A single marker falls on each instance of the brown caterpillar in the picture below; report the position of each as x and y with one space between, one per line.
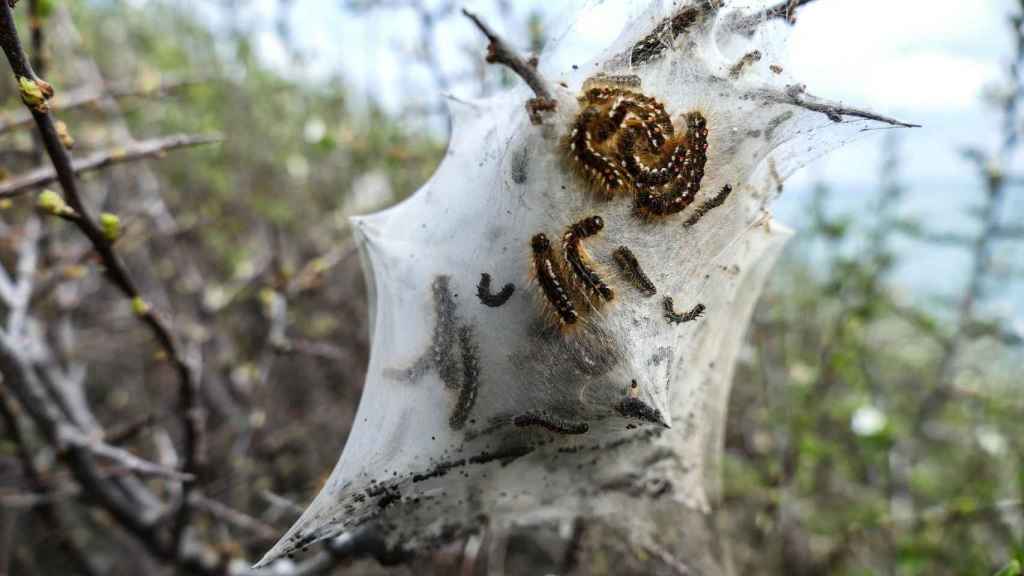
576 256
676 318
596 166
680 192
550 280
624 141
631 269
551 423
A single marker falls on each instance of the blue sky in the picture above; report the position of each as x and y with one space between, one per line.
925 61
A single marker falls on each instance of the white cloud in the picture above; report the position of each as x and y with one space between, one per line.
910 55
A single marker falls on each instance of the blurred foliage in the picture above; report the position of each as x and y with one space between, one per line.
832 467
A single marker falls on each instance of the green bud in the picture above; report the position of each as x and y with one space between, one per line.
52 203
140 306
35 93
111 226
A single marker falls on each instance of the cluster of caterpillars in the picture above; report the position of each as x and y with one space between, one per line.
585 289
623 143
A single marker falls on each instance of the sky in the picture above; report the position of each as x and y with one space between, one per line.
924 61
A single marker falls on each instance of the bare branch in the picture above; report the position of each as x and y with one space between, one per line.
89 95
53 511
20 294
233 517
19 185
121 456
786 10
499 52
795 96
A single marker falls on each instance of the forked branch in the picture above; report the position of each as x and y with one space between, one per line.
155 147
499 52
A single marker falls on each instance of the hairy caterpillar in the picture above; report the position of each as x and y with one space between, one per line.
631 269
550 280
624 141
576 256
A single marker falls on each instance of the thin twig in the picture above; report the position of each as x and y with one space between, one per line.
499 52
53 511
786 10
233 517
122 457
795 96
42 176
87 96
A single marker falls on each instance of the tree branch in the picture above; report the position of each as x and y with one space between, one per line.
87 96
42 176
795 96
53 511
783 10
122 457
499 52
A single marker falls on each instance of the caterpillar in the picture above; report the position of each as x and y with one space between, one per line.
680 192
550 280
675 318
708 206
631 269
470 378
483 292
623 141
653 46
635 408
596 165
548 422
576 256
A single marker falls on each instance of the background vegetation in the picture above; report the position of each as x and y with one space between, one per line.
871 430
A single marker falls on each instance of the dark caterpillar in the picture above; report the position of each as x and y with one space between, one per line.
708 206
630 268
636 408
550 280
551 423
676 318
470 378
576 256
483 292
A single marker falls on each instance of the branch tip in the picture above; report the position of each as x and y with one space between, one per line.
499 52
